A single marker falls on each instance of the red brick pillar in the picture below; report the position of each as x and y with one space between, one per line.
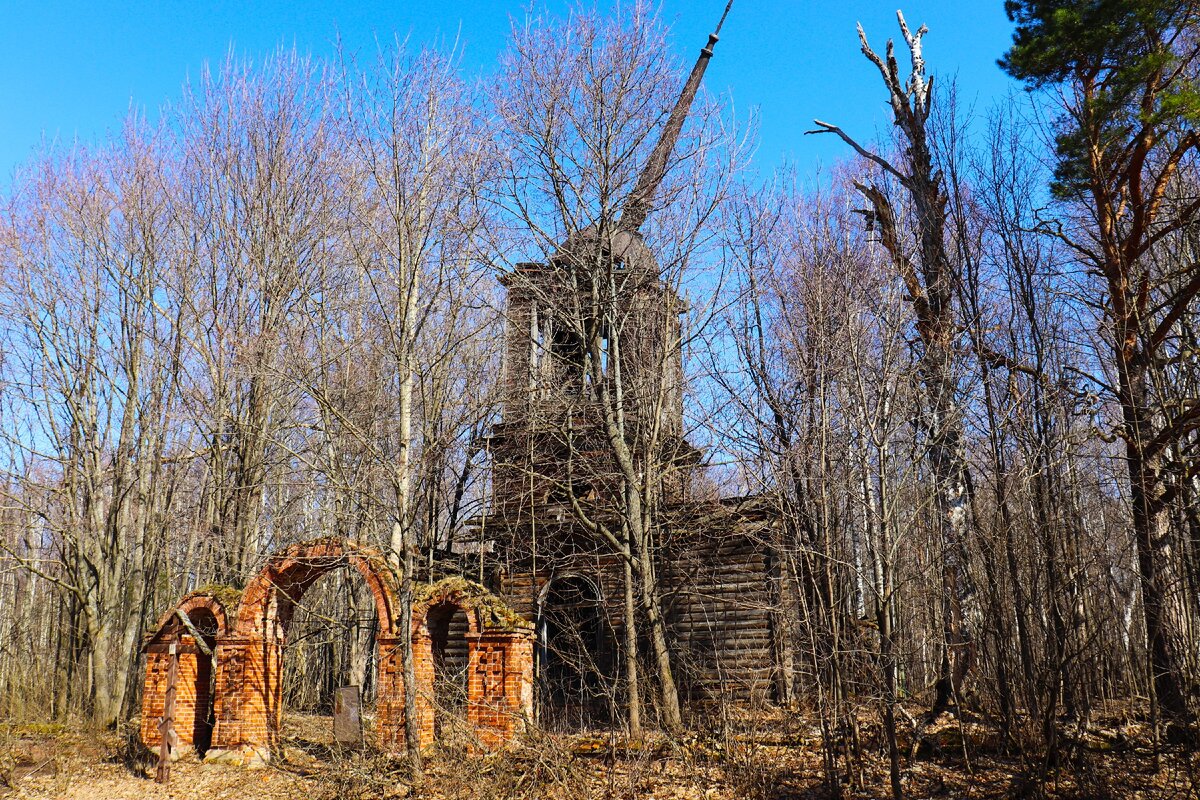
249 700
422 646
518 681
499 685
154 694
389 703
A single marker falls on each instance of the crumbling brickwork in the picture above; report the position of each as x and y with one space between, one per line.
193 685
499 662
244 671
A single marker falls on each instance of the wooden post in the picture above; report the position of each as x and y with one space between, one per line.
167 726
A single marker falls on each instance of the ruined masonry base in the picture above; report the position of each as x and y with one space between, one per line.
246 633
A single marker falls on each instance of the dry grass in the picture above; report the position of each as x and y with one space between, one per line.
766 757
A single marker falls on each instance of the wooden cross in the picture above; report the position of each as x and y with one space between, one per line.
167 725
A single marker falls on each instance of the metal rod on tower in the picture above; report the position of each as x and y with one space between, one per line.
639 203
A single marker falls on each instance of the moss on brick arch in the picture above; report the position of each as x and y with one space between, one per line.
499 691
227 596
493 614
222 601
195 665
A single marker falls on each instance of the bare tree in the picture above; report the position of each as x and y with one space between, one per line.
255 212
416 159
930 276
91 385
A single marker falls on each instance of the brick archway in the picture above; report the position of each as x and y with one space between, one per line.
249 691
269 600
208 612
250 630
499 661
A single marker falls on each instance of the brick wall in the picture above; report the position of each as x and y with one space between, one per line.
193 691
499 664
249 705
192 694
500 685
423 673
499 688
247 690
389 696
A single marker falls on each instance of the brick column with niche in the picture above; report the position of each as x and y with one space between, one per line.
249 707
499 684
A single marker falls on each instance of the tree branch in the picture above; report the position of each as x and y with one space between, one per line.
825 127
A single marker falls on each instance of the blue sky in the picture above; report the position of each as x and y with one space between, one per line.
72 69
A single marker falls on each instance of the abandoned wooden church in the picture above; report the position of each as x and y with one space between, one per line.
599 514
600 511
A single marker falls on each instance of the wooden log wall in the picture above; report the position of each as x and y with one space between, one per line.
721 600
720 605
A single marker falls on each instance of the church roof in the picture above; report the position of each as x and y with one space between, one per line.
624 246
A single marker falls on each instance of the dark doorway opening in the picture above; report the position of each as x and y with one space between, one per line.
448 627
205 623
576 657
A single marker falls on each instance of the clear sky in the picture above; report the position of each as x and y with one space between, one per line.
72 69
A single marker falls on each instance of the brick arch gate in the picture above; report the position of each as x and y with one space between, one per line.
249 688
248 653
499 660
206 612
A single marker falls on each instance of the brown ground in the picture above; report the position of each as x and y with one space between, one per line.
776 756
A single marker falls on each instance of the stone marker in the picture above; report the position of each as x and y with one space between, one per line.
347 717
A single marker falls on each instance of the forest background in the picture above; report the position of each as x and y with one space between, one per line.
962 364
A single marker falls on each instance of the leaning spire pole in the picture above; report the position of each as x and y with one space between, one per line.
638 204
